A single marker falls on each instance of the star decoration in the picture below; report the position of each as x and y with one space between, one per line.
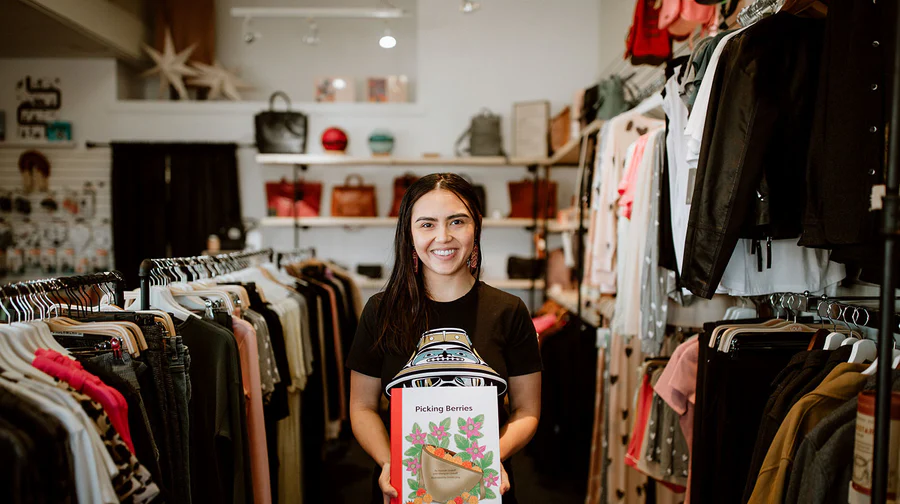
219 81
171 66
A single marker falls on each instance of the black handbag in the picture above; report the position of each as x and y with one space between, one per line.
280 132
479 193
525 268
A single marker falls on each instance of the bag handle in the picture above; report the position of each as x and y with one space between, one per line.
283 96
353 177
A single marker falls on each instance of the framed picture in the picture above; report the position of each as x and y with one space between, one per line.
531 129
377 89
335 90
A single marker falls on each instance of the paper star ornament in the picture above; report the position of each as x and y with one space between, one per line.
219 81
171 66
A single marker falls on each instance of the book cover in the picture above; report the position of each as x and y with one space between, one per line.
445 445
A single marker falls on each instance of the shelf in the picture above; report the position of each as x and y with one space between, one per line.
37 145
325 222
342 160
569 300
500 283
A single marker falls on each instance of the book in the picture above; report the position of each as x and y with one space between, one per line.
445 445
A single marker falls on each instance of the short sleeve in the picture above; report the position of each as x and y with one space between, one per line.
523 355
363 356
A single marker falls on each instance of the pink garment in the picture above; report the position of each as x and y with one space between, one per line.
677 386
628 185
680 17
544 322
113 402
245 335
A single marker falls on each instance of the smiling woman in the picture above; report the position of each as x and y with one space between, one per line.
434 285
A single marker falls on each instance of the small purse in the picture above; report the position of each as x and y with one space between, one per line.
524 268
484 136
281 132
353 200
401 184
522 199
302 199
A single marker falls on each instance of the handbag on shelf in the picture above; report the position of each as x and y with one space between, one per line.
484 136
560 129
353 200
522 199
300 199
280 131
370 270
479 193
524 268
401 184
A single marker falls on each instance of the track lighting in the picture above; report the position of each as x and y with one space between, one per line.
250 36
312 38
387 40
468 6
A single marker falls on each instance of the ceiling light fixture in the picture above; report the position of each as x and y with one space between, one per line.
312 38
468 6
387 40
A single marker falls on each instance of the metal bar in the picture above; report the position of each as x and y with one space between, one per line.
890 229
318 12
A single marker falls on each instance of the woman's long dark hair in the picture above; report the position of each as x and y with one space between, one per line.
402 313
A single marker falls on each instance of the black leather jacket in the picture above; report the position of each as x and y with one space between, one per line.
751 176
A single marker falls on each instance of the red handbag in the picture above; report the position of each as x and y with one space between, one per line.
301 199
522 199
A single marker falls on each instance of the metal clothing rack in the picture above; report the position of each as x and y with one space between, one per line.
174 269
296 255
22 297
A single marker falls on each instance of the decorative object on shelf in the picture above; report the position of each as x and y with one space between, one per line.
401 184
381 142
377 89
484 136
301 199
39 100
280 131
334 140
219 81
59 131
35 170
335 90
353 200
522 199
397 89
531 121
524 268
370 270
171 66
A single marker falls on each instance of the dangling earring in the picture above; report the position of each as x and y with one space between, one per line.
415 262
473 259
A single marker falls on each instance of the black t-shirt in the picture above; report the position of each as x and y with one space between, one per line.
498 324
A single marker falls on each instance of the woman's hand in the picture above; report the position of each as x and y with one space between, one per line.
384 481
504 480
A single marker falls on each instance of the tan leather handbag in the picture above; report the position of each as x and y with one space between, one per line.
522 199
353 200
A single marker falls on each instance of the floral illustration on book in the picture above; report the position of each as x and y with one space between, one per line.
439 475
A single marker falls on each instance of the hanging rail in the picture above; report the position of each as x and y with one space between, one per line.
175 269
68 290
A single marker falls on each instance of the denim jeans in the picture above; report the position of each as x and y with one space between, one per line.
178 368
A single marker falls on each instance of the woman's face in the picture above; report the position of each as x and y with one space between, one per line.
443 233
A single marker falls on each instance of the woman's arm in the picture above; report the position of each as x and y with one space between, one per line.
525 403
365 392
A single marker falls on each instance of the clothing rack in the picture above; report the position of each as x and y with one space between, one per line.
847 309
165 270
755 11
69 290
294 255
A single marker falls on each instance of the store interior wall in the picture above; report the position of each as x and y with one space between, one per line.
509 51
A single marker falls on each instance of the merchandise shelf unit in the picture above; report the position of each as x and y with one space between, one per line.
566 156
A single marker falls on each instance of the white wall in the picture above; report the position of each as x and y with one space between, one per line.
511 50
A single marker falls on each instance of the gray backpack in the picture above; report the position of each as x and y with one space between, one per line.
484 136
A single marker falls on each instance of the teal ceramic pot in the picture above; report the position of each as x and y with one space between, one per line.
381 142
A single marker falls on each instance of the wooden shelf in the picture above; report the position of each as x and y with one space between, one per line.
569 300
37 145
562 155
326 222
500 283
342 160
